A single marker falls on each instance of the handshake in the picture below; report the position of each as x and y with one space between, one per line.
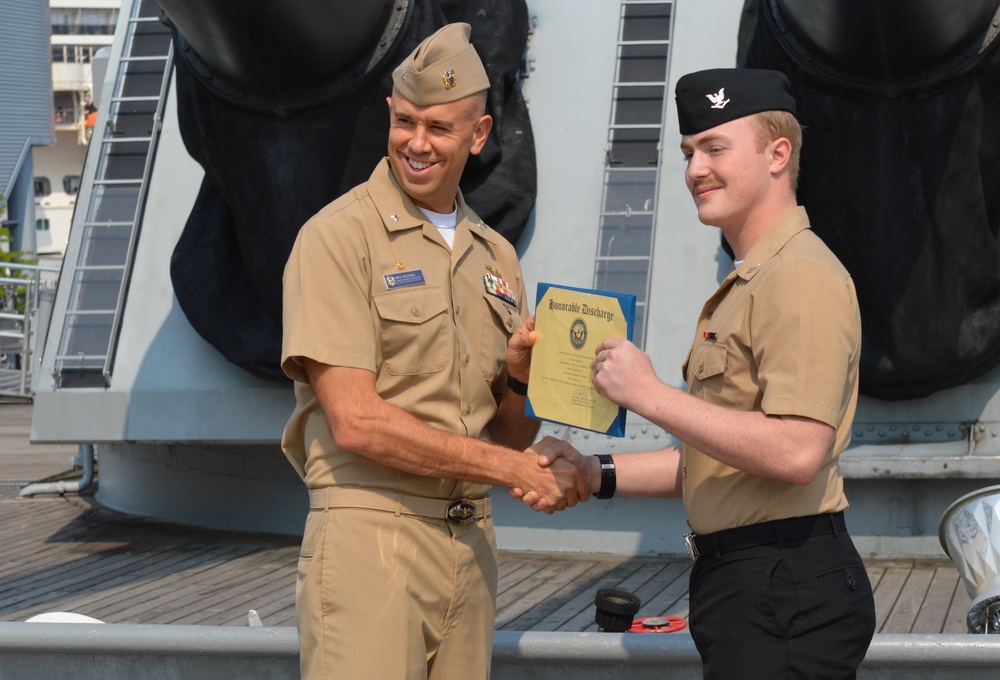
557 478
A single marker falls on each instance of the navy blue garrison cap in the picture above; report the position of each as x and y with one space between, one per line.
716 96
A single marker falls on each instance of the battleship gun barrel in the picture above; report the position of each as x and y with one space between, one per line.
284 47
885 44
897 101
284 106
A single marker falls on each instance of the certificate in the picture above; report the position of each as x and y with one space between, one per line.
570 323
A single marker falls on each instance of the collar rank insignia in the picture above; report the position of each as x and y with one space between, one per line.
497 287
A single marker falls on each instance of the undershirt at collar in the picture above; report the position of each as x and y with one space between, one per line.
445 223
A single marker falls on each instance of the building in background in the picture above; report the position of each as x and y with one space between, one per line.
79 28
25 113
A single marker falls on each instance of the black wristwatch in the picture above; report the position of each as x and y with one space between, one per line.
608 476
516 386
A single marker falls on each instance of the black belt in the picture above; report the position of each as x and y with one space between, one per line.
766 533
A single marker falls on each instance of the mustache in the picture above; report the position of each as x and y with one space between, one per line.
698 185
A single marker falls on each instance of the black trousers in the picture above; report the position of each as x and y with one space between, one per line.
800 610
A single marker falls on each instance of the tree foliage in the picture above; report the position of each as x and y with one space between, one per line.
12 296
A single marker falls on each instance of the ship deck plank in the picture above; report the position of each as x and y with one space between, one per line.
939 597
67 553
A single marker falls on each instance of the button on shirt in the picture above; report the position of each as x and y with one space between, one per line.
782 335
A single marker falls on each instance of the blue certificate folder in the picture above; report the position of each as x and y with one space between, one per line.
570 324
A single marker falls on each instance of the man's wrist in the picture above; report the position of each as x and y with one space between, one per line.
516 386
608 476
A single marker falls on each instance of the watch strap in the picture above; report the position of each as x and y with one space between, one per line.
609 477
516 386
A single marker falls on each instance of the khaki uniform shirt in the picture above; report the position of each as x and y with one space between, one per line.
372 284
782 335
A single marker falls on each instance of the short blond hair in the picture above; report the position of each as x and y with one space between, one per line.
772 125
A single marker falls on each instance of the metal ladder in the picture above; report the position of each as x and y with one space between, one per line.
126 138
627 226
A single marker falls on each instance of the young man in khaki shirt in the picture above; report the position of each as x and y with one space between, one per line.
778 588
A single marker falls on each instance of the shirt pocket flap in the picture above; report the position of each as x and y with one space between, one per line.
708 361
504 312
416 305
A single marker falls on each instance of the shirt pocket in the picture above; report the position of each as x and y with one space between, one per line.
503 319
416 331
707 364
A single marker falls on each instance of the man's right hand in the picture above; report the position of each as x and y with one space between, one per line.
574 475
554 487
623 373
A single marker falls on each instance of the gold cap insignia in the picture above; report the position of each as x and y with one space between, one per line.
449 79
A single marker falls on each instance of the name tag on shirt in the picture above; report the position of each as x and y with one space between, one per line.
404 279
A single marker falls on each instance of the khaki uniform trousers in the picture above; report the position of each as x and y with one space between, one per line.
393 596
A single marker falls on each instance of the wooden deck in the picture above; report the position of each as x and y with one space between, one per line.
69 554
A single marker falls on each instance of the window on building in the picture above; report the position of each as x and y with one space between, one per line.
71 184
64 106
97 21
42 224
43 187
60 20
79 21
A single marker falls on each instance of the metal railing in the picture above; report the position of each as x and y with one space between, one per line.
113 651
21 286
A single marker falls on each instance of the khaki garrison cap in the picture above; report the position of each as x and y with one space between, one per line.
444 67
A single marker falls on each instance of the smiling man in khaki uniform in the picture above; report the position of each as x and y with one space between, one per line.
778 589
405 333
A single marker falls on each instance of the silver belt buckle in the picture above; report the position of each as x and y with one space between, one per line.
462 511
692 549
